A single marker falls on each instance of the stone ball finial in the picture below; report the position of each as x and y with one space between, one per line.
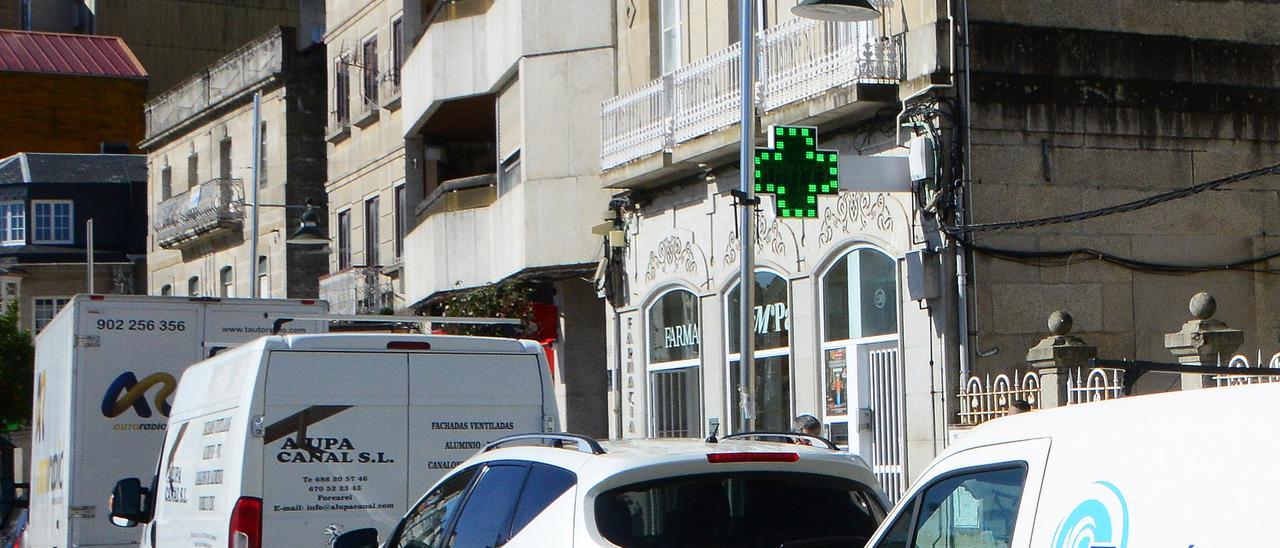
1059 323
1203 305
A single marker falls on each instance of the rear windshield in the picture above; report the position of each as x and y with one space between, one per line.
764 509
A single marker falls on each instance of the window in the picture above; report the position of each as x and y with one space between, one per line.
670 22
193 286
486 516
227 282
45 309
369 71
166 182
424 526
749 509
8 292
510 175
193 170
344 239
544 485
674 348
224 158
371 232
264 278
52 221
397 50
341 89
772 371
969 509
400 220
262 154
13 223
166 290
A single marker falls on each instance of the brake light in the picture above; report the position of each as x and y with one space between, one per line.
308 301
720 458
408 345
97 297
246 524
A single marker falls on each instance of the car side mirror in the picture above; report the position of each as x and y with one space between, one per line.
127 508
359 538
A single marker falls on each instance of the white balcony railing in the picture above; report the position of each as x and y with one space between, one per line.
389 82
339 125
796 60
213 206
358 290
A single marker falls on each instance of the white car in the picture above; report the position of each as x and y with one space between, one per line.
569 490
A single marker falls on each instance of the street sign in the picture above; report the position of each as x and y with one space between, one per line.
795 171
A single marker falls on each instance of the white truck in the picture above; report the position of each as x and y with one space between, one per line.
105 372
291 440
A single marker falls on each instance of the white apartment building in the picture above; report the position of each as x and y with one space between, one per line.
199 145
502 152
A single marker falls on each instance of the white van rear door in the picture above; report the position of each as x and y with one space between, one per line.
985 496
459 402
335 452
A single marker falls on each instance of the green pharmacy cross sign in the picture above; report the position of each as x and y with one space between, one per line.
795 171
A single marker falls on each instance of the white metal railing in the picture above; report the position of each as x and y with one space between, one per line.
339 122
212 205
986 398
795 60
1097 384
636 124
1265 373
389 83
358 290
888 416
706 94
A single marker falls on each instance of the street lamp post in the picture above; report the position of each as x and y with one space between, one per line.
746 221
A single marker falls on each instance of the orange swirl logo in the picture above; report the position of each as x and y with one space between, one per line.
127 391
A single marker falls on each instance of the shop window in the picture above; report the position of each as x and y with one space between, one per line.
674 348
772 371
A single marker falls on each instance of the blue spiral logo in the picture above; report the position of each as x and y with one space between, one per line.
1101 521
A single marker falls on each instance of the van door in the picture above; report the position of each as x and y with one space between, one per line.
985 496
460 402
334 446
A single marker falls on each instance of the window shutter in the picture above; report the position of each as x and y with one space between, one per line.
510 120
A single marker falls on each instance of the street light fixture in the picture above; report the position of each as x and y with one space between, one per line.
309 232
837 10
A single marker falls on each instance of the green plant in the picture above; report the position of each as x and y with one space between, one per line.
17 362
502 300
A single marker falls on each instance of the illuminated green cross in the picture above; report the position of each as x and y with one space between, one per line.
794 170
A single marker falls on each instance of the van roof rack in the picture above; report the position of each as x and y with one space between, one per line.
583 443
786 437
425 321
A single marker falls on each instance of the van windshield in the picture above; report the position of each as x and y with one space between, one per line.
752 509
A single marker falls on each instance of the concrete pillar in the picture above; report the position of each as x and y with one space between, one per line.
1055 356
1203 341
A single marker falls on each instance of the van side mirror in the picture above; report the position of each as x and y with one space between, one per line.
127 508
359 538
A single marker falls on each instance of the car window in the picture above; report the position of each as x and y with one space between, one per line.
424 526
486 515
975 509
750 509
544 485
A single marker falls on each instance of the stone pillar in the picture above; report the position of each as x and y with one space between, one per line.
1056 356
1203 341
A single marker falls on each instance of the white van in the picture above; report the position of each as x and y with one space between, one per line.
287 441
105 369
1193 468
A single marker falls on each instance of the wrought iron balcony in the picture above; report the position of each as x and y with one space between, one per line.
795 60
213 207
389 88
339 125
358 290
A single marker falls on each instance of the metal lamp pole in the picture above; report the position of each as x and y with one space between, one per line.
257 159
746 221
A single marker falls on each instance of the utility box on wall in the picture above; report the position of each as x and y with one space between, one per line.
922 275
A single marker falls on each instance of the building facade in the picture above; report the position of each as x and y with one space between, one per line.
366 181
200 148
501 149
68 93
45 202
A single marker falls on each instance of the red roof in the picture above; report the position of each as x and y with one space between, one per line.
67 54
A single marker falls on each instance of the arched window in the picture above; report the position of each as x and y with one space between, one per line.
264 277
859 343
166 290
193 286
771 375
674 349
226 282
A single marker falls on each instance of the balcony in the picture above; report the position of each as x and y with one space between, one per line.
339 126
797 60
358 290
214 207
367 109
389 83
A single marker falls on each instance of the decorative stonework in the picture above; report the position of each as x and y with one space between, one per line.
854 212
768 237
673 254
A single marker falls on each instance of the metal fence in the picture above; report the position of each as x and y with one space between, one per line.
213 204
1265 373
358 290
888 448
987 397
795 60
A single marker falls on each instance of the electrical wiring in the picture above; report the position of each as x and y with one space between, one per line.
1074 256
